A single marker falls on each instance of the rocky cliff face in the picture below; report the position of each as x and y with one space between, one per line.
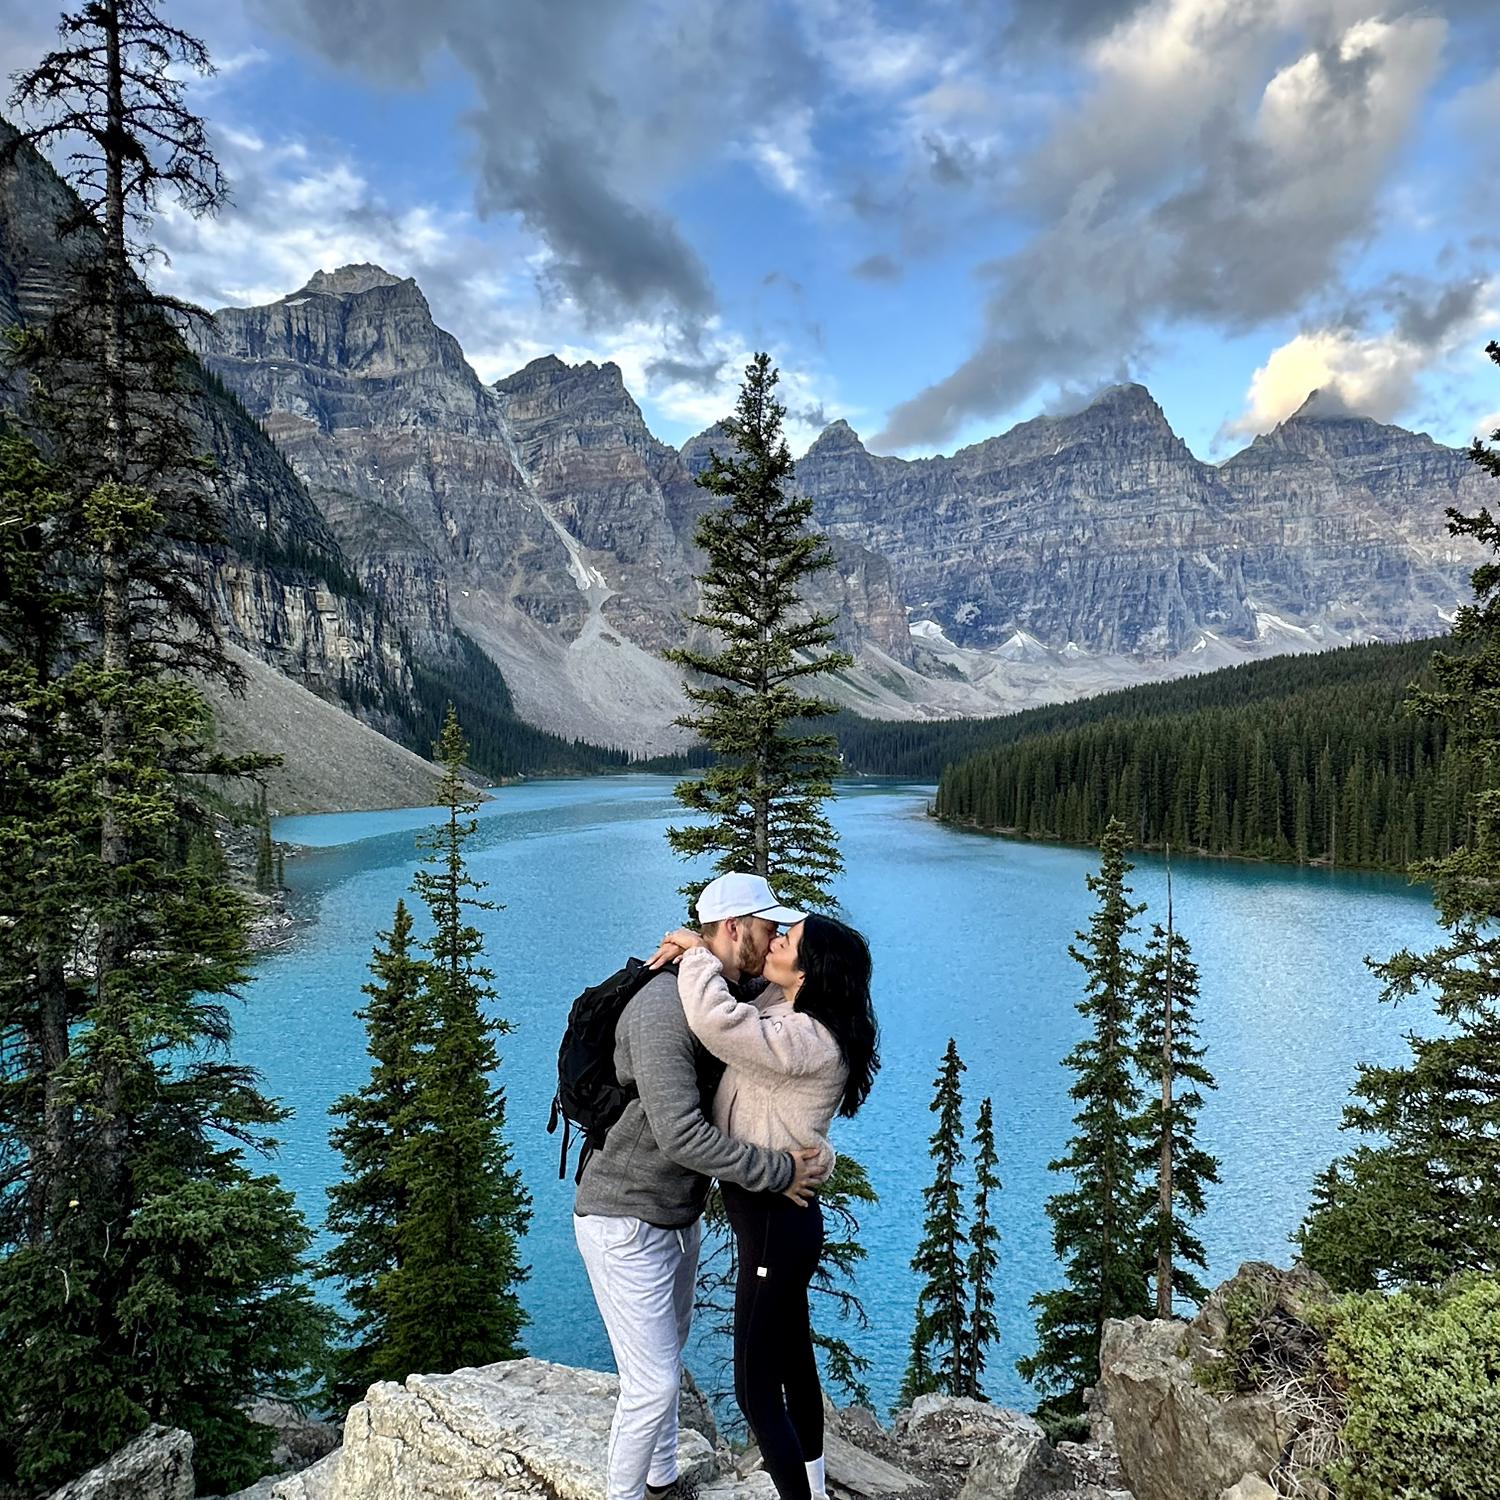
540 515
282 586
369 399
619 493
1343 519
1102 531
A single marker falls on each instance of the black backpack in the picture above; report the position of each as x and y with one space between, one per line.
590 1096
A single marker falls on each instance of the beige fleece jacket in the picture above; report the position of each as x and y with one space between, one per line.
784 1074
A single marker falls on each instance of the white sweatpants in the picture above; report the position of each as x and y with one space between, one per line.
644 1281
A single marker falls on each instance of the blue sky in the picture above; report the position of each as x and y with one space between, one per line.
941 219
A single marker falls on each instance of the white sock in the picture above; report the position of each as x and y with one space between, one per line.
815 1478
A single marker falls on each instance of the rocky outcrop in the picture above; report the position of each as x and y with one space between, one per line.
530 1428
1198 1408
158 1465
523 1428
975 1451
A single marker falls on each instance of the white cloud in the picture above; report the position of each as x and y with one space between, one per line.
1376 374
785 155
1372 375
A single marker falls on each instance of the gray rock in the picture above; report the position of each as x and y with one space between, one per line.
158 1465
1176 1440
262 1489
517 1429
696 1413
313 1483
1016 1463
1250 1487
853 1471
300 1439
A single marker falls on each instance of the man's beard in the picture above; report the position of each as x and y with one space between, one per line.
750 957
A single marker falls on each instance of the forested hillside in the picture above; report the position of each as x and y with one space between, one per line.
1306 758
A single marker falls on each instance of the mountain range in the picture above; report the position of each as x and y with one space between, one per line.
383 502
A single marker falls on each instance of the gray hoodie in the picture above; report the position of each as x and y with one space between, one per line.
660 1154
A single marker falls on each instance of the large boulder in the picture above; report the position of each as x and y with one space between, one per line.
158 1465
1018 1463
1177 1440
507 1431
1197 1408
970 1450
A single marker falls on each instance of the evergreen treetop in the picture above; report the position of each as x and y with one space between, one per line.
1096 1222
369 1201
984 1255
762 798
452 1298
940 1346
1175 1167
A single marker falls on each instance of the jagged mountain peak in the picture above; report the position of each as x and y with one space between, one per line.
1130 401
1326 404
836 435
550 369
350 281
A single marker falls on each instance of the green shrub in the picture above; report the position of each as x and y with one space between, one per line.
1421 1373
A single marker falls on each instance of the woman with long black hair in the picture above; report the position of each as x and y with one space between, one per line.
805 1050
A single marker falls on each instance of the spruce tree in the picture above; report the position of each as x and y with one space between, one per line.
151 1275
367 1204
1175 1168
762 798
984 1256
451 1298
1420 1201
1096 1223
940 1346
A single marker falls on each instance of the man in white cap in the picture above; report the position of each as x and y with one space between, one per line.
641 1195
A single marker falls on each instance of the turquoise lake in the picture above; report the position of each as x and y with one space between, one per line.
970 937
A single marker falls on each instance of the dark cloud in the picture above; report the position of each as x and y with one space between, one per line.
878 267
1067 20
1425 313
586 113
951 163
701 374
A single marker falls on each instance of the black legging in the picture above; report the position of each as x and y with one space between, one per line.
775 1369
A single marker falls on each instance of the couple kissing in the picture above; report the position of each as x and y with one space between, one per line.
735 1048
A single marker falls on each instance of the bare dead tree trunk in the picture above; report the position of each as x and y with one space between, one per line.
116 621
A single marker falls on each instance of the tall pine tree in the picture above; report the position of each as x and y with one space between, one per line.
1096 1222
984 1256
1421 1200
153 1276
763 796
1175 1168
940 1346
451 1297
368 1203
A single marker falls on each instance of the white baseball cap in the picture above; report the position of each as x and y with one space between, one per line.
737 895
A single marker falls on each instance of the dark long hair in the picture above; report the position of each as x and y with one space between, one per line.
835 964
